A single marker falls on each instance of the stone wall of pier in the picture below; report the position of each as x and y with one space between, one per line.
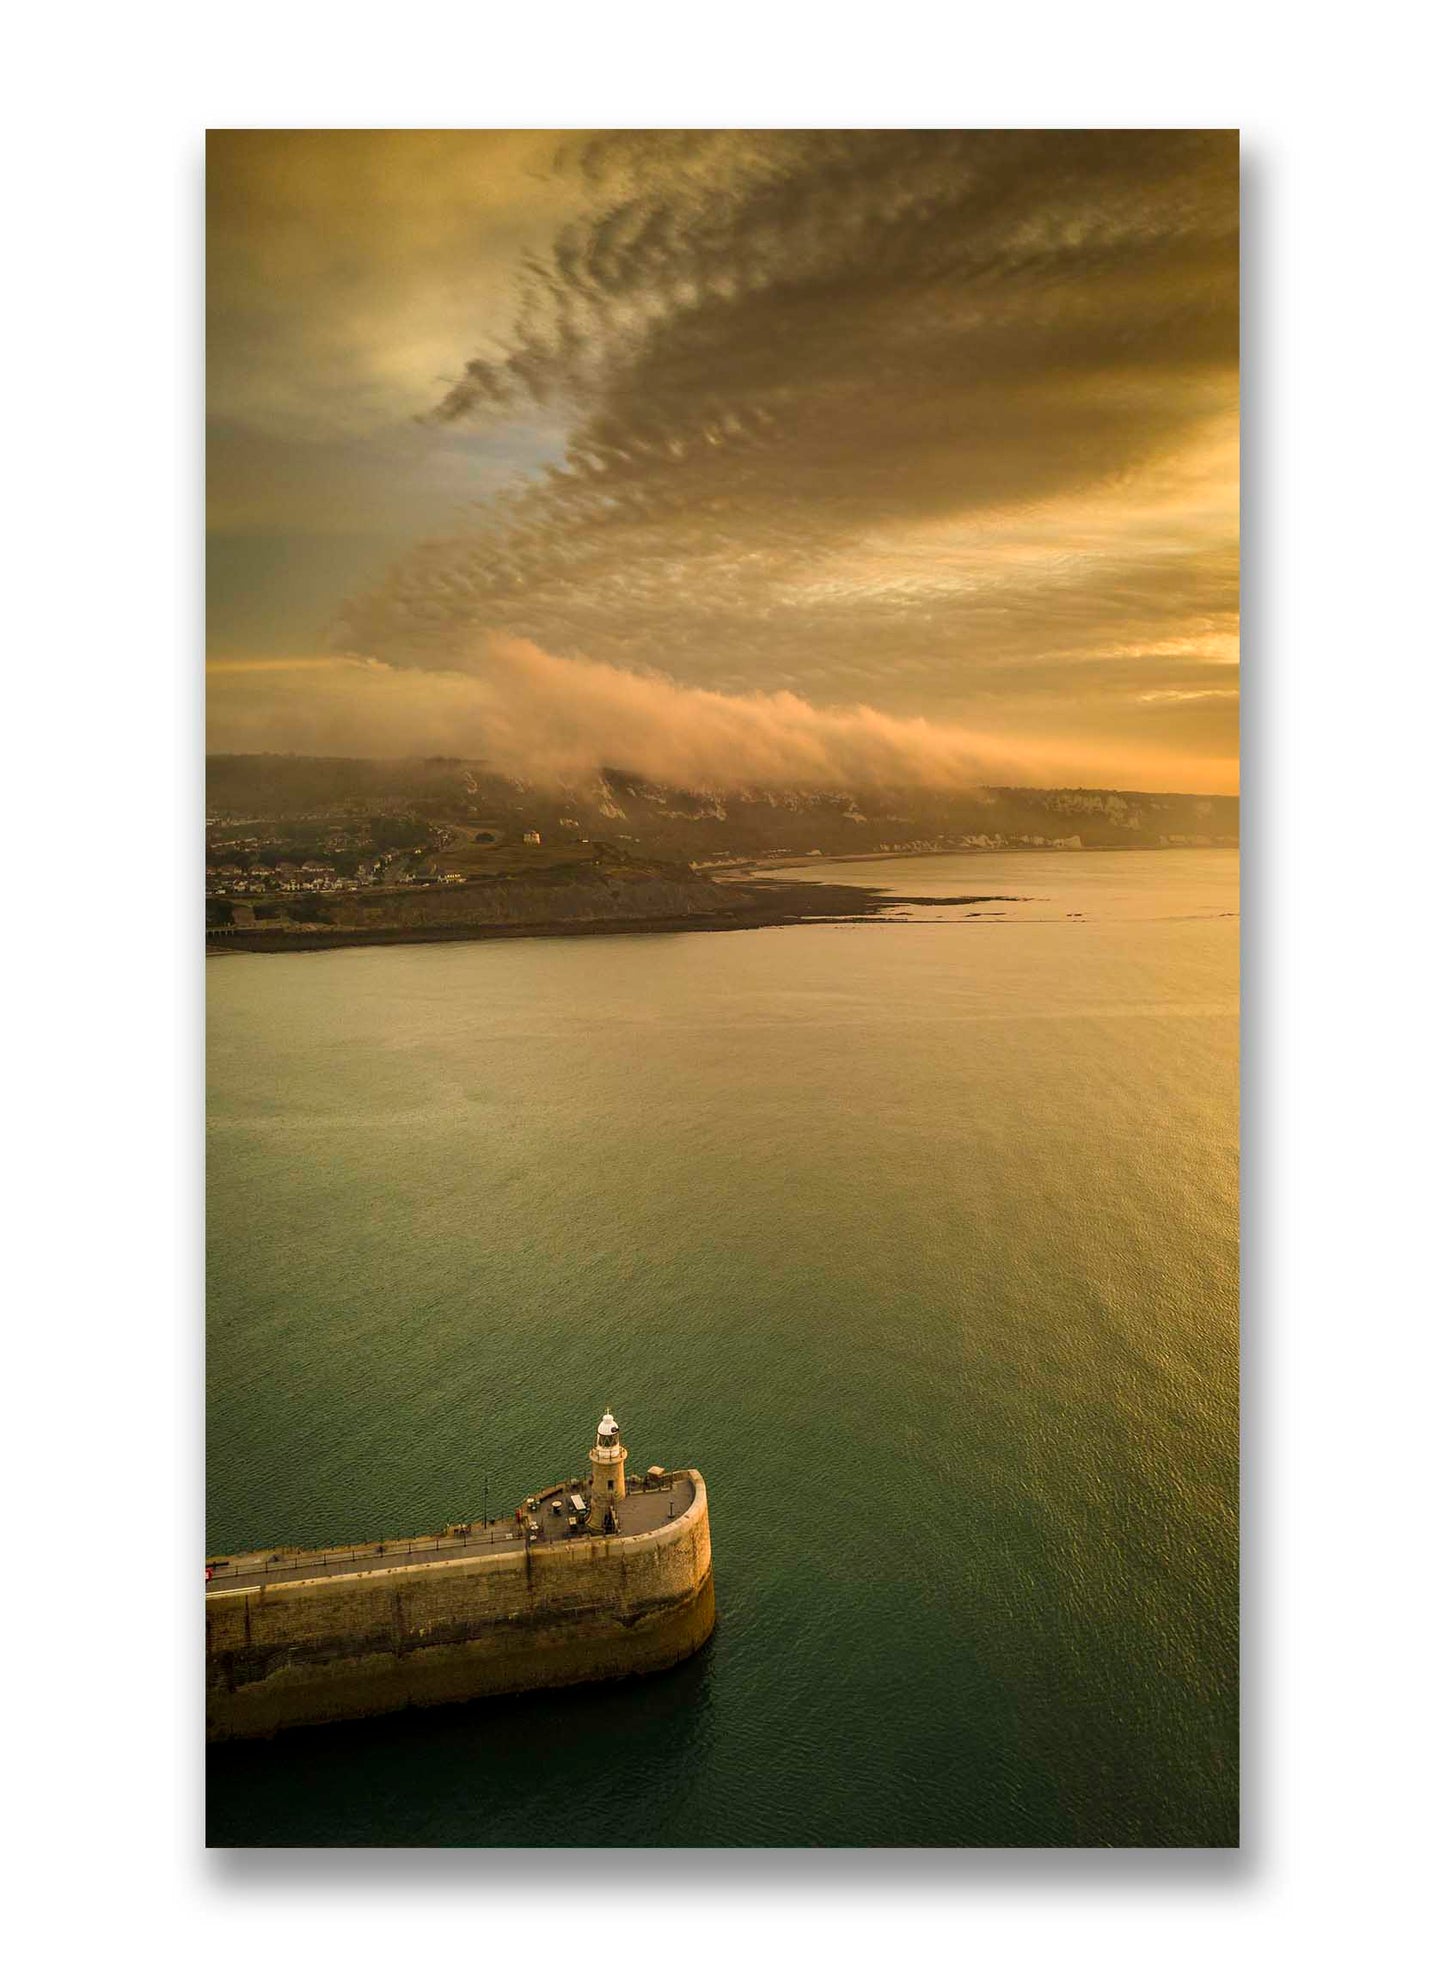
452 1629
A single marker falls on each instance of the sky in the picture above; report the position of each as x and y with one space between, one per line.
776 457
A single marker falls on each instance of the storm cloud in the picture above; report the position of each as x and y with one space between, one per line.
939 423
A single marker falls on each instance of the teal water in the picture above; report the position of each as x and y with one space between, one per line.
918 1240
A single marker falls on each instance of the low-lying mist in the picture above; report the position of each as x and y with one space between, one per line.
556 720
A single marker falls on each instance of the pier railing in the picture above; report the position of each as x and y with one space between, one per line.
462 1537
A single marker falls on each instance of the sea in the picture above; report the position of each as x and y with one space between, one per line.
917 1237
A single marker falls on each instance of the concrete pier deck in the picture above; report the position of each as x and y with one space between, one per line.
645 1508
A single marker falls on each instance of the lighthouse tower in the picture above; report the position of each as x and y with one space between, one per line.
609 1475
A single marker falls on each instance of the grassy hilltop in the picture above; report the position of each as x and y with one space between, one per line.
316 794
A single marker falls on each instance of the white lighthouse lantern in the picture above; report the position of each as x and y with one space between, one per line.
609 1475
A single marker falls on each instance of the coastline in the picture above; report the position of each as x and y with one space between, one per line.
749 870
796 904
745 899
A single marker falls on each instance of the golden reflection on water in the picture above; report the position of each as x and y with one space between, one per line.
919 1240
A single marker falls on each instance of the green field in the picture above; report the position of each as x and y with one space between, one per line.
494 861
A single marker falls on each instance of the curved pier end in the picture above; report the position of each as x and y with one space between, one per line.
317 1638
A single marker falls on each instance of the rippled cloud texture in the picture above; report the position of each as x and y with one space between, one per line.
939 428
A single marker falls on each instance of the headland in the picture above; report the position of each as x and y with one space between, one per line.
645 903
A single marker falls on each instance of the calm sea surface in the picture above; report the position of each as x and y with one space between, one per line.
918 1240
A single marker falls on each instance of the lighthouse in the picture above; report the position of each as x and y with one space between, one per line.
609 1475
